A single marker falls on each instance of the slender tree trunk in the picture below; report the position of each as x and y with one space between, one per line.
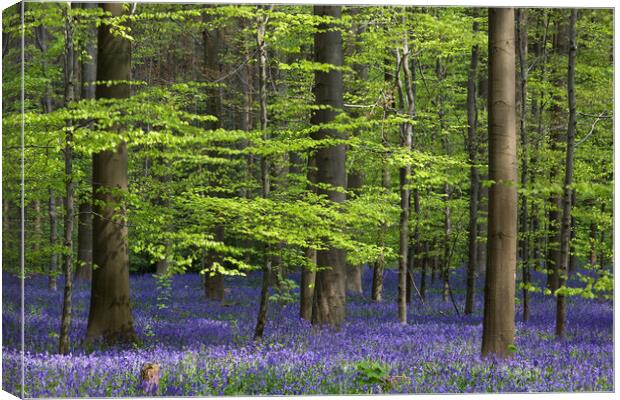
307 287
593 246
406 139
308 276
499 305
483 196
602 257
36 242
474 176
110 311
560 46
53 267
447 224
329 295
85 214
265 178
424 268
568 178
354 272
379 267
65 322
521 15
41 40
572 264
355 178
445 270
414 249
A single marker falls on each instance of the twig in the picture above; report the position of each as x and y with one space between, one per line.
602 115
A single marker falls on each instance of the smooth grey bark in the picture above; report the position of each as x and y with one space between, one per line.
499 304
565 232
328 306
110 310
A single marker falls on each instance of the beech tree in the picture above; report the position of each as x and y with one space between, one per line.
329 288
110 311
499 292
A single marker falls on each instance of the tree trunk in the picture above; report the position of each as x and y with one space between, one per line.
483 196
265 178
572 264
474 176
306 291
568 178
406 139
424 268
415 247
560 47
354 272
85 215
379 267
521 15
53 267
499 304
69 58
329 295
447 224
110 311
308 277
445 269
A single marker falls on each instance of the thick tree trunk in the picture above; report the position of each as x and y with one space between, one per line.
521 15
474 177
329 295
110 311
568 178
212 39
499 304
69 58
85 216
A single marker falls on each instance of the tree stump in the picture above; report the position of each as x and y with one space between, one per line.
149 378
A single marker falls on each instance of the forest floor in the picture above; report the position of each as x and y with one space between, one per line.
206 348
